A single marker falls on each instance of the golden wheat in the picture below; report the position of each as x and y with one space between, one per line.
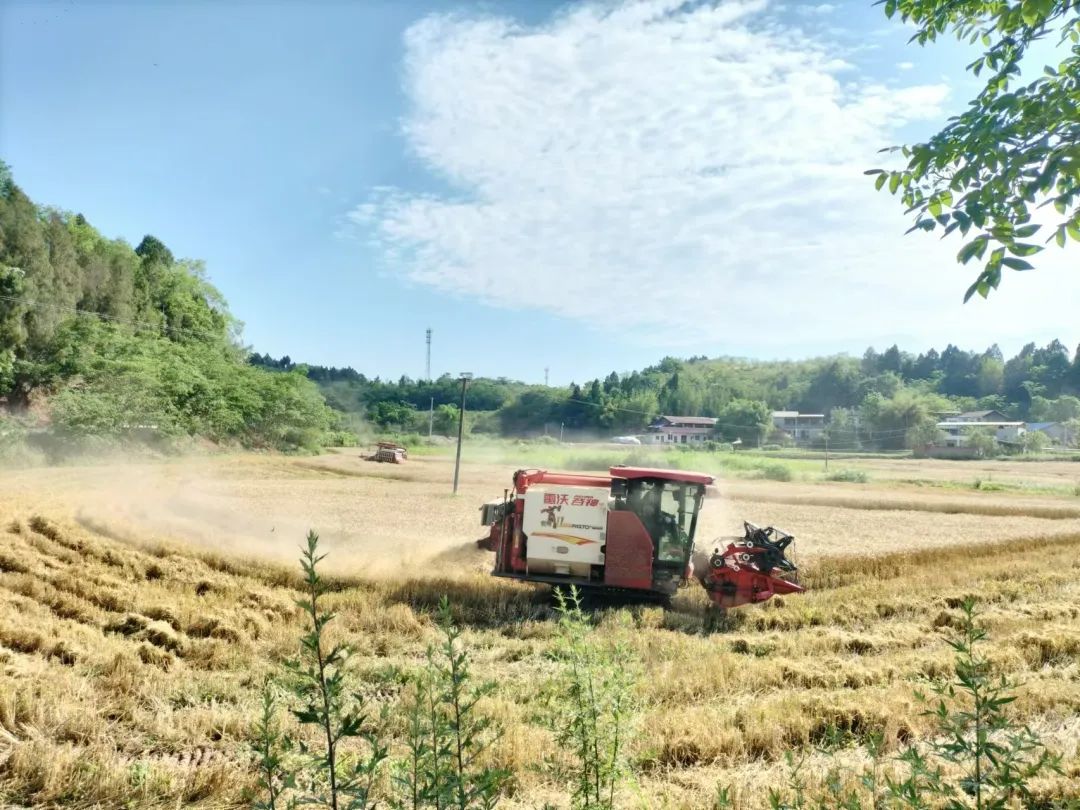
130 663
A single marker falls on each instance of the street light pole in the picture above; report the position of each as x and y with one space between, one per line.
461 427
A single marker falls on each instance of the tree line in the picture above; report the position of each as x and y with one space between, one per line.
889 399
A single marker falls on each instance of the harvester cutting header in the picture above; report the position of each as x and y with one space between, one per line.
630 531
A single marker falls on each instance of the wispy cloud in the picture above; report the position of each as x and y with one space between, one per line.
680 171
905 65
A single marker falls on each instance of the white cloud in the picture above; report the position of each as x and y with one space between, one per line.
689 174
821 8
905 65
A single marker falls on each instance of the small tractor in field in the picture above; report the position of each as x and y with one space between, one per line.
630 532
389 453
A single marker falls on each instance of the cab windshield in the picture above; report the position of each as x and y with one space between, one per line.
667 509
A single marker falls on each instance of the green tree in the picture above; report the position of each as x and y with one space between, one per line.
1034 441
446 419
924 432
535 407
904 420
835 385
984 441
399 415
152 249
1013 149
990 377
744 419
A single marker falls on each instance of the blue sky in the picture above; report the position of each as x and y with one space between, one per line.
585 186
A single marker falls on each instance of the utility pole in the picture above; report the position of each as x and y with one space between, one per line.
826 452
428 368
465 377
561 426
431 417
546 370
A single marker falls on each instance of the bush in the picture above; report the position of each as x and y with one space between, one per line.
341 438
119 387
850 476
545 441
775 471
771 447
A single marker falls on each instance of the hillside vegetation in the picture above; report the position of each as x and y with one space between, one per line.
101 344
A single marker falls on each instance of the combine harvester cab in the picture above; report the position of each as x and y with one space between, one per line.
629 532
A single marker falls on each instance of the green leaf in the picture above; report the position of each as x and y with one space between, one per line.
1029 12
894 183
881 178
994 262
969 250
1017 264
935 208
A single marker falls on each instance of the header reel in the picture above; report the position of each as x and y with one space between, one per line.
752 569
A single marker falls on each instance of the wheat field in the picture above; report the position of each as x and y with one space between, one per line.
142 604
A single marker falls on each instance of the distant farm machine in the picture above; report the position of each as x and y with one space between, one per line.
389 453
629 532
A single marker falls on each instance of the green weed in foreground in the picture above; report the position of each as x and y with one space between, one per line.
446 734
320 685
592 710
340 765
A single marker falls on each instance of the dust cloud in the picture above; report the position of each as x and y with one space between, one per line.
372 522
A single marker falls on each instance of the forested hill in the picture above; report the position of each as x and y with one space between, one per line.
888 399
102 343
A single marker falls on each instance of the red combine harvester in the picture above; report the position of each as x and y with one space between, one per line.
631 532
